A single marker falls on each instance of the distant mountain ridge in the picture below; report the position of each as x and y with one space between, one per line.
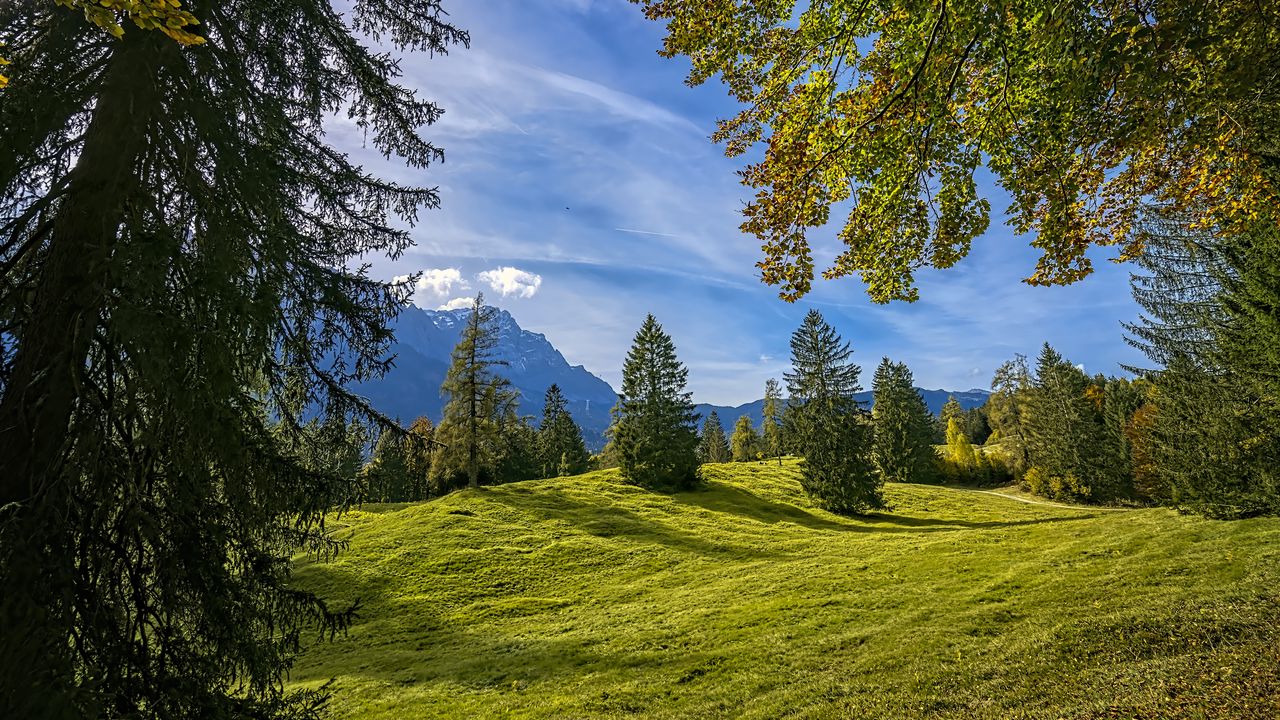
425 340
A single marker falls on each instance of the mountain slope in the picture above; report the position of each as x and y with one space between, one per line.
424 341
935 399
587 598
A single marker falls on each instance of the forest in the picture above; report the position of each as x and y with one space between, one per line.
200 515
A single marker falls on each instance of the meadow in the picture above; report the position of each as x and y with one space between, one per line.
584 597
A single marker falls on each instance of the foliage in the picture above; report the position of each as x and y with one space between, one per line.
419 451
771 434
1064 432
745 442
829 428
561 450
182 290
1083 111
713 446
554 599
386 477
655 426
479 404
1006 405
902 441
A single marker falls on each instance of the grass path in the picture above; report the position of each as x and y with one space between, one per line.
1031 501
586 598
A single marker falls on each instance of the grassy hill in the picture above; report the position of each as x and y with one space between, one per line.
583 597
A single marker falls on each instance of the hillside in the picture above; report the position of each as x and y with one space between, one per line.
582 597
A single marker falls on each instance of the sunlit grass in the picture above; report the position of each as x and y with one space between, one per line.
584 597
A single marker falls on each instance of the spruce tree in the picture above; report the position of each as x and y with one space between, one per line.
655 426
745 442
419 447
560 445
771 431
902 441
479 402
182 257
713 447
387 472
829 427
1065 432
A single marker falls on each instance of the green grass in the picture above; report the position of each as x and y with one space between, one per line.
583 597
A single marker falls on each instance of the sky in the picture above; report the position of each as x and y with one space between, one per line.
580 191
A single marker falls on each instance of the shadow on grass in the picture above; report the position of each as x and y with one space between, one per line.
724 498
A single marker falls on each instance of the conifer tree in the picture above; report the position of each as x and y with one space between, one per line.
479 401
182 249
655 426
419 447
560 445
771 430
830 430
713 447
902 441
745 443
1064 430
961 461
1010 390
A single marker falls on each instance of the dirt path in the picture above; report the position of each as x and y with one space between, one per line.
1046 504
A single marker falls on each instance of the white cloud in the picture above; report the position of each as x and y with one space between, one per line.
512 281
458 303
434 284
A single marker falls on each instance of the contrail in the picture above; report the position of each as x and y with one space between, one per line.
646 232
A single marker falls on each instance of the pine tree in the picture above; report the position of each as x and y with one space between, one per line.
745 443
387 472
181 250
771 440
419 447
520 454
479 402
713 447
655 426
830 430
902 441
1010 390
560 445
1064 430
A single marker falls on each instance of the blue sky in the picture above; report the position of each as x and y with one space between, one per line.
580 192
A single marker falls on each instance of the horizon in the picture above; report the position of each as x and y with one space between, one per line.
581 191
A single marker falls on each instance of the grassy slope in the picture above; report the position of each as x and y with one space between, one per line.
583 597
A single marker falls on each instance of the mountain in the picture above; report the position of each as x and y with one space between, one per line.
425 338
935 399
424 341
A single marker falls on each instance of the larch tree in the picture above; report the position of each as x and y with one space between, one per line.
961 462
560 446
1010 388
771 425
829 427
713 446
1083 111
655 426
182 287
902 440
744 444
479 402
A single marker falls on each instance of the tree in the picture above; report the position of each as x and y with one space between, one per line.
655 426
960 461
950 409
902 440
1065 433
1083 112
479 401
386 472
771 440
520 455
181 251
560 446
745 443
419 448
830 430
713 447
1010 389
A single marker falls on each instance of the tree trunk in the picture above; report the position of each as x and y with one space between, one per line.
74 281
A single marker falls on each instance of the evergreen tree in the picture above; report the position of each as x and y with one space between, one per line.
771 440
479 402
950 409
560 445
902 441
1064 431
655 426
745 443
713 447
388 478
1010 391
419 447
520 454
181 250
830 430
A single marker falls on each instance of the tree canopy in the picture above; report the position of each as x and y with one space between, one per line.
1083 111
